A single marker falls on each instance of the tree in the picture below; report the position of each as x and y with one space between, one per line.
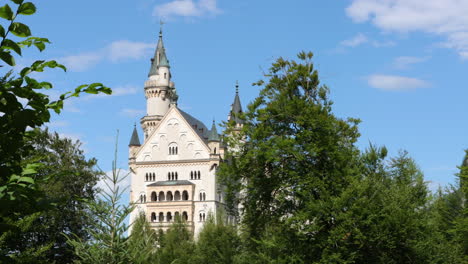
177 246
108 242
297 157
70 180
143 242
23 107
217 242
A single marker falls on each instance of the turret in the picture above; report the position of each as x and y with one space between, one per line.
160 92
236 110
134 145
214 140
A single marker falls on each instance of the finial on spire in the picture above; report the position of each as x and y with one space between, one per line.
134 124
161 23
237 86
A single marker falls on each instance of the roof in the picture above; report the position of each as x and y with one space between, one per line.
195 122
171 183
213 136
134 140
236 108
163 61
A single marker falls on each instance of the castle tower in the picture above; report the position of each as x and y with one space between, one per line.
160 91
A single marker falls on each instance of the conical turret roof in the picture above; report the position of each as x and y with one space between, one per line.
162 60
213 136
135 140
236 108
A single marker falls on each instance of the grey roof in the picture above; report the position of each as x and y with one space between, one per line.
195 122
236 108
213 136
171 183
135 140
163 61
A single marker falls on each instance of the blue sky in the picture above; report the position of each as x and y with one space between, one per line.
398 65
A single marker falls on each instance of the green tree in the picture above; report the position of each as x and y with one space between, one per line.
177 246
67 179
297 158
143 242
108 241
217 242
23 106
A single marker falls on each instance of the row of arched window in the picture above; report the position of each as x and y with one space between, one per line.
142 198
172 176
150 176
173 150
169 196
168 217
195 175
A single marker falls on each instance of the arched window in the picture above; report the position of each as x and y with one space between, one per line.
204 196
154 176
176 176
184 216
198 174
161 196
201 197
214 150
153 197
172 176
177 196
191 175
153 217
200 217
146 176
161 217
176 150
169 217
203 217
165 75
144 198
185 195
176 215
168 176
169 196
173 149
141 198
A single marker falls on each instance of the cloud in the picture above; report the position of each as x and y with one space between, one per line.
106 182
186 8
132 112
355 41
80 62
395 83
446 18
114 52
117 91
124 49
404 62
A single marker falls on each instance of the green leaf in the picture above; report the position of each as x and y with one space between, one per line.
18 2
27 8
20 30
2 31
6 12
40 45
26 179
12 45
6 57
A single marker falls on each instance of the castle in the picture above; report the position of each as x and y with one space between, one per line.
173 172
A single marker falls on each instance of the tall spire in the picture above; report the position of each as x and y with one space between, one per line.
135 140
236 107
159 58
213 136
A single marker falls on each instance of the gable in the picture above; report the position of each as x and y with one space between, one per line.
173 139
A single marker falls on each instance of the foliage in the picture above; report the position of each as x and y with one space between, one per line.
143 242
108 242
177 244
23 107
217 242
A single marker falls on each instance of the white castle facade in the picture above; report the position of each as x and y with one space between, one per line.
173 171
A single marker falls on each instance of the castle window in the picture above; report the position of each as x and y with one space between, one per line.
153 217
173 149
200 217
165 75
214 150
144 198
146 176
141 198
184 216
153 197
185 195
169 217
204 196
169 196
203 217
177 196
161 217
161 196
198 174
154 176
168 176
191 175
176 216
176 176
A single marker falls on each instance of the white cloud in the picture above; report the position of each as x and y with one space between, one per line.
395 83
124 49
404 62
80 62
186 8
106 182
442 17
132 112
355 41
116 51
117 91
